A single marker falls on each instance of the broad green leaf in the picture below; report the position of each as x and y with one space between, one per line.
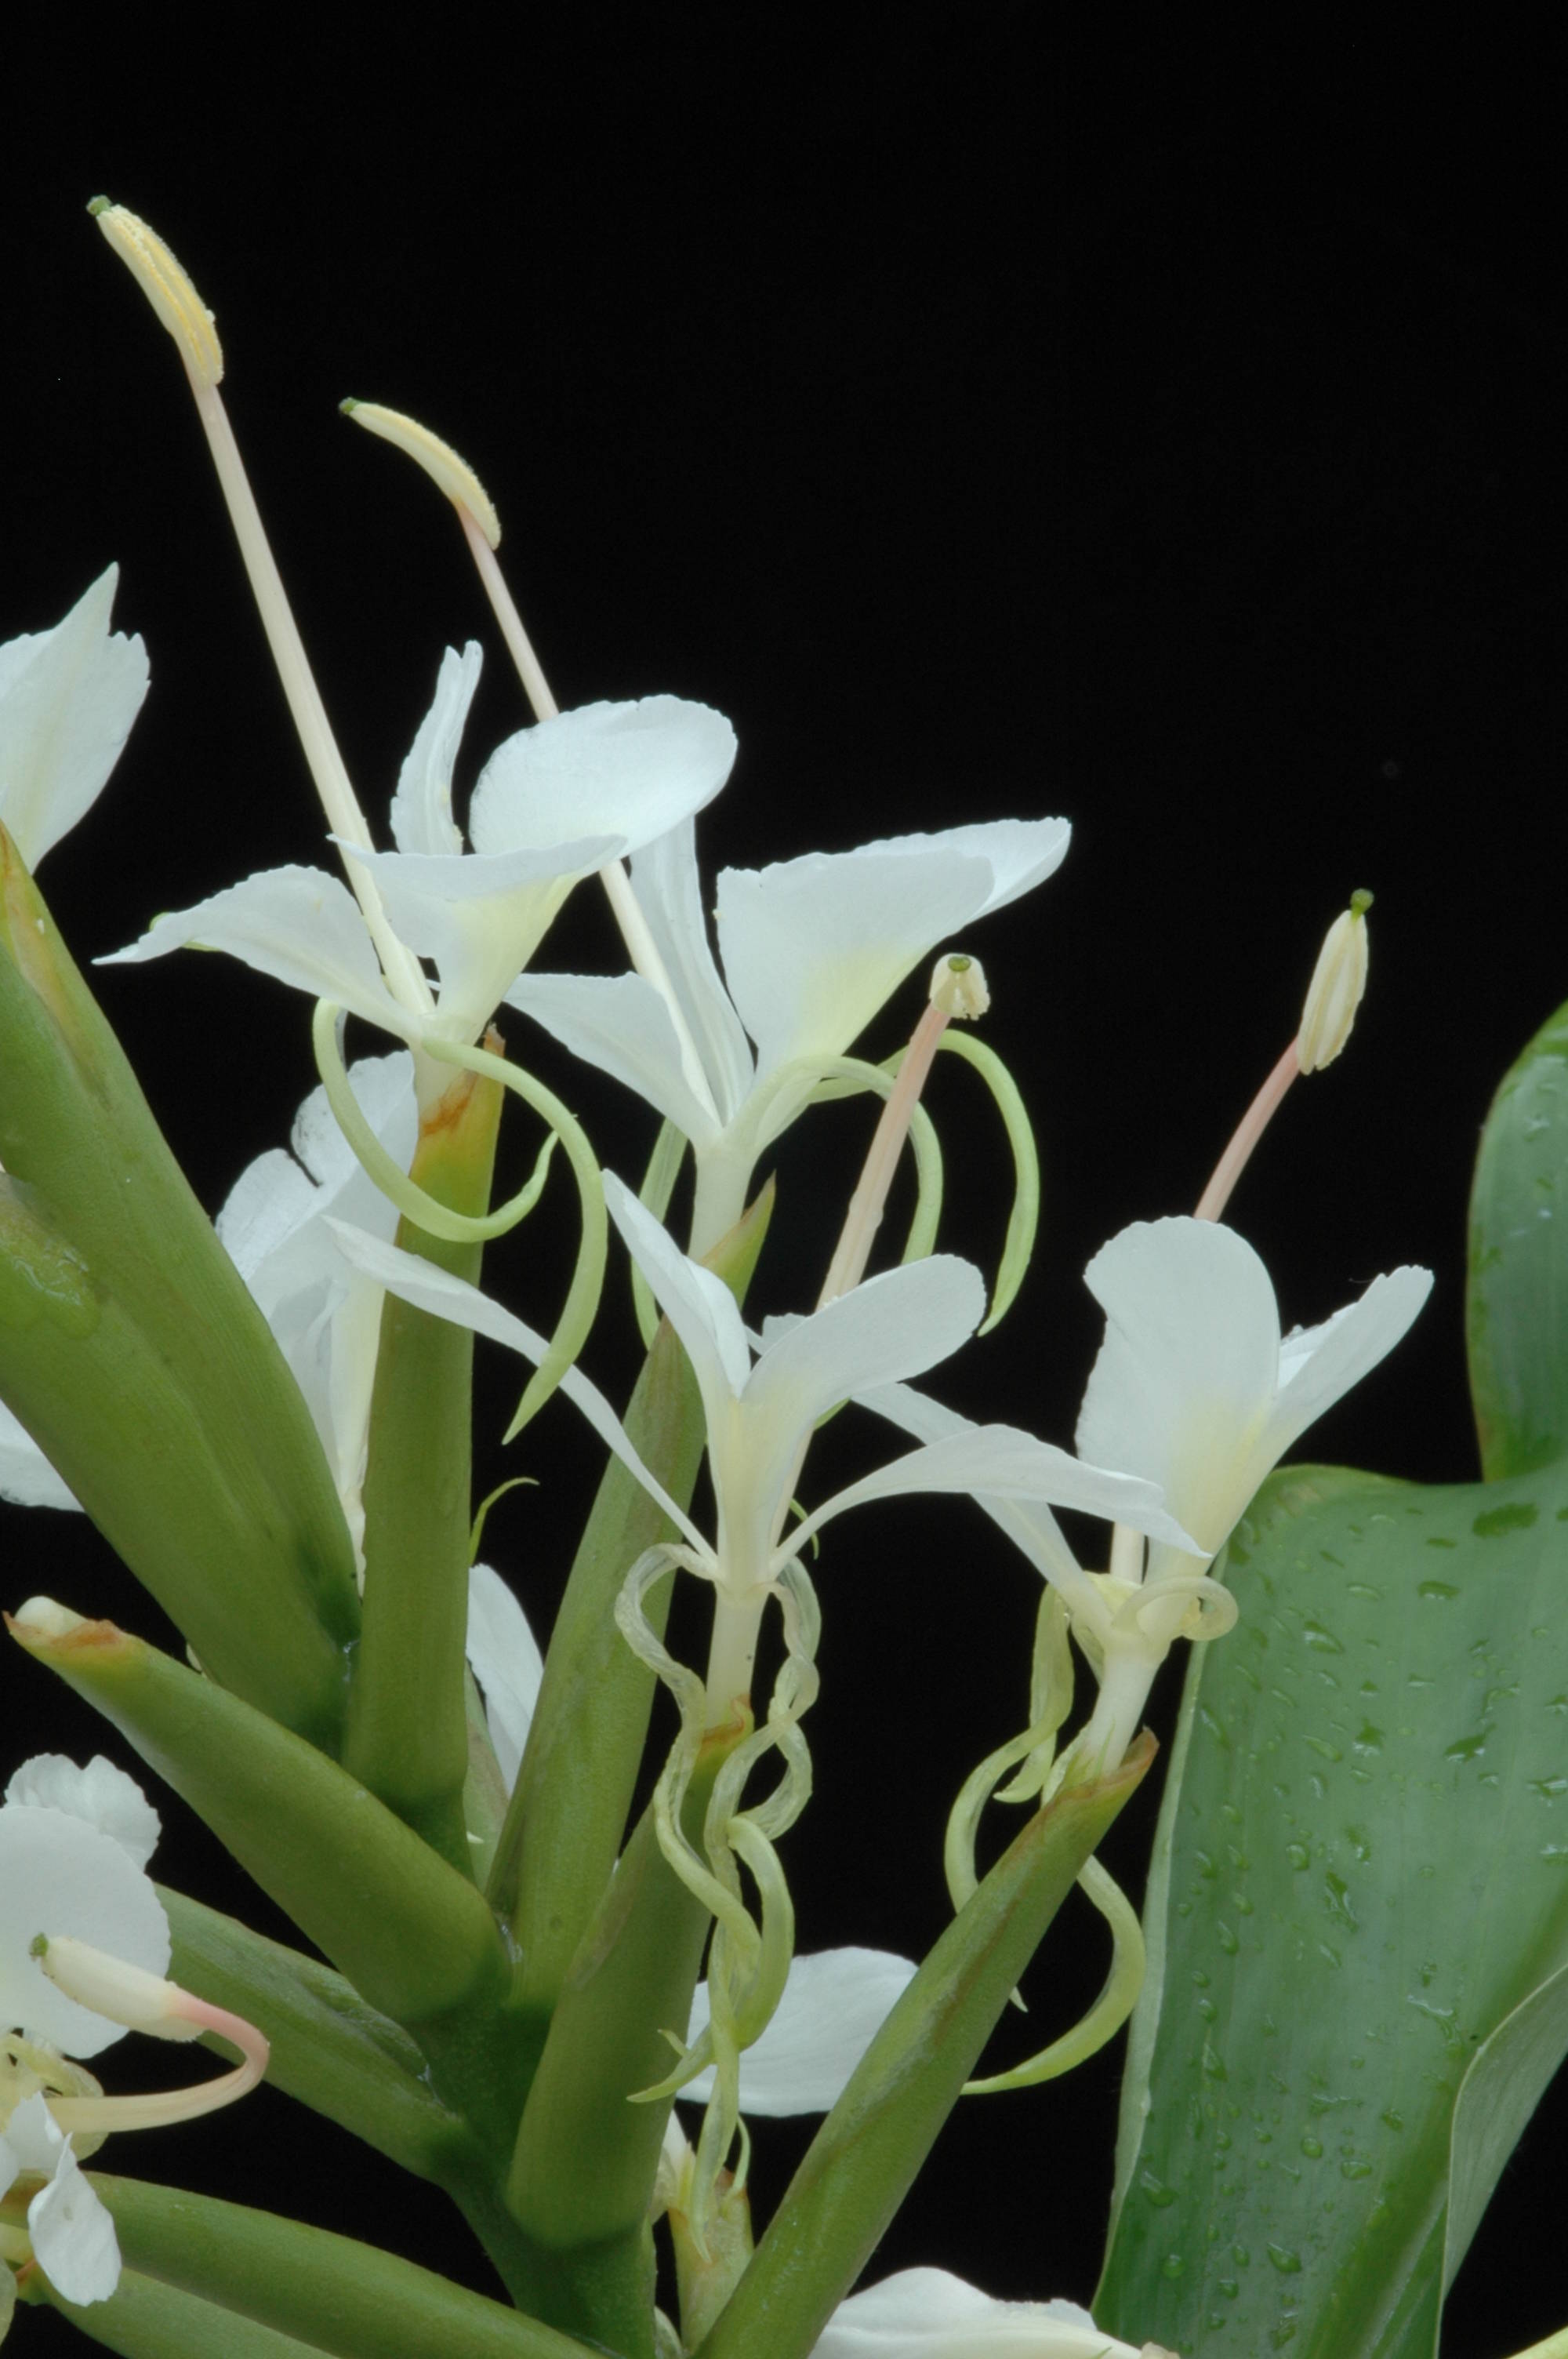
1362 1873
1516 1310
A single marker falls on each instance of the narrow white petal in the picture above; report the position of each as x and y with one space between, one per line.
1183 1386
630 770
59 1875
504 1658
621 1024
813 947
928 2314
68 697
998 1462
445 1297
73 2235
298 925
1319 1366
384 1088
669 893
102 1796
422 807
26 1478
835 2003
699 1306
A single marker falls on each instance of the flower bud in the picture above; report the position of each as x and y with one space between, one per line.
1335 993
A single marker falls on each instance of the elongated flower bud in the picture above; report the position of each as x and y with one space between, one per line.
1334 992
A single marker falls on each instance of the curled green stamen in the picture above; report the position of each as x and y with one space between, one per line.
1109 2011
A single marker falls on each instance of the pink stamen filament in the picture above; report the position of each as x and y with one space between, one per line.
1249 1131
159 2108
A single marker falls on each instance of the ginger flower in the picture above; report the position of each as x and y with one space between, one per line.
811 949
929 2314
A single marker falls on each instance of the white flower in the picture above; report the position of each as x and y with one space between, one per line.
811 949
325 1314
927 2315
553 804
74 1848
760 1415
1195 1389
68 697
70 2233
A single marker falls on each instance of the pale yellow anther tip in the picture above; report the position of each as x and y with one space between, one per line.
958 988
440 462
1335 993
165 285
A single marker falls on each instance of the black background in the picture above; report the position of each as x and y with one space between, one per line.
1149 429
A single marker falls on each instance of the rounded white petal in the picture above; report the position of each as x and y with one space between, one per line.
1319 1364
896 1324
68 697
58 1874
298 925
1184 1386
102 1796
813 947
504 1658
620 1024
835 2003
928 2314
422 807
630 770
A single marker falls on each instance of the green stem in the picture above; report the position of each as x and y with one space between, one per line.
407 1727
867 2154
582 2173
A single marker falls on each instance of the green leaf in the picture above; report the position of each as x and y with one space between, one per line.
330 2049
1516 1310
864 2158
287 2280
1361 1873
133 1354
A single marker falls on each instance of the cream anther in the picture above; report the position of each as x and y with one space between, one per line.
1335 993
167 287
440 462
958 988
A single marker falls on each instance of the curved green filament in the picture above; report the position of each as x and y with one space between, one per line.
587 1276
658 1186
476 1529
1109 2011
412 1201
1024 1221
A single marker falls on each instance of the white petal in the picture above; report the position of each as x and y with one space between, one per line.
699 1306
621 1024
813 947
68 697
1028 1523
422 807
669 893
1318 1366
896 1324
298 925
504 1658
102 1796
72 2235
928 2314
59 1875
998 1461
384 1088
26 1478
835 2003
1183 1386
630 770
445 1297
